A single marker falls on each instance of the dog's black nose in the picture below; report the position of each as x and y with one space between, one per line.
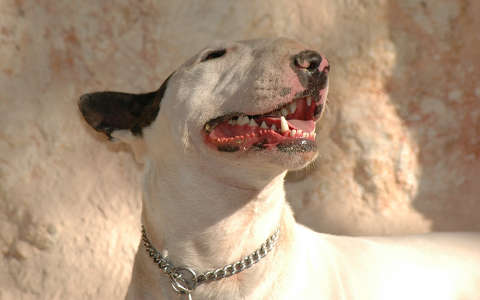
307 60
312 71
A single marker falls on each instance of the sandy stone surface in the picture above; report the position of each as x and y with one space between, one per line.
399 145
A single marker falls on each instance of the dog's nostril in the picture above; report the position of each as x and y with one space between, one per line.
308 59
314 63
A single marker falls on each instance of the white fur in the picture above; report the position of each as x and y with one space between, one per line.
209 208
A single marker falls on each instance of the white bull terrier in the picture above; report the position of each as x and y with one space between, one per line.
216 140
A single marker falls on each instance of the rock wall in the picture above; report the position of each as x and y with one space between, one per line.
399 145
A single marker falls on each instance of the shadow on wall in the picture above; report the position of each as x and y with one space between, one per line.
435 88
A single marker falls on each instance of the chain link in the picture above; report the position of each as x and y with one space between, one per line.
183 285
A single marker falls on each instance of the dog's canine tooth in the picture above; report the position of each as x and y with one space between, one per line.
309 100
252 123
208 128
274 128
293 107
284 124
263 125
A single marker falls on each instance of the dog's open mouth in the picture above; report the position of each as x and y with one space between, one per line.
290 128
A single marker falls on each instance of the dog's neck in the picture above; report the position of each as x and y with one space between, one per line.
206 222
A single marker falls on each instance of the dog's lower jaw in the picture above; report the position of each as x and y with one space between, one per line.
273 159
210 227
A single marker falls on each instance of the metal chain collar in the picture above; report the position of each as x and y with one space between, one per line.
184 280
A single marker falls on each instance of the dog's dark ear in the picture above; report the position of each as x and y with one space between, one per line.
110 111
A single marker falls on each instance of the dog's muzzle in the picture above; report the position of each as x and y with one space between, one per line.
290 127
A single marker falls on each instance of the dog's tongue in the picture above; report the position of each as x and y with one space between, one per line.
305 126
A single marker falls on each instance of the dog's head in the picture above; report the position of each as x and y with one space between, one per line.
245 102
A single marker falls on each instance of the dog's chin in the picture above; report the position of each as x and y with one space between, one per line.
290 155
288 160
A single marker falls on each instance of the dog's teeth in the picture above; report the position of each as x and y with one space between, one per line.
284 112
252 123
274 128
276 113
243 120
293 107
264 125
294 132
305 134
309 101
231 122
284 124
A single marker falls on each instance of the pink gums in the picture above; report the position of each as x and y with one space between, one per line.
245 136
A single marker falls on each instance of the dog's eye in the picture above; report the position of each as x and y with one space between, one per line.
214 54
